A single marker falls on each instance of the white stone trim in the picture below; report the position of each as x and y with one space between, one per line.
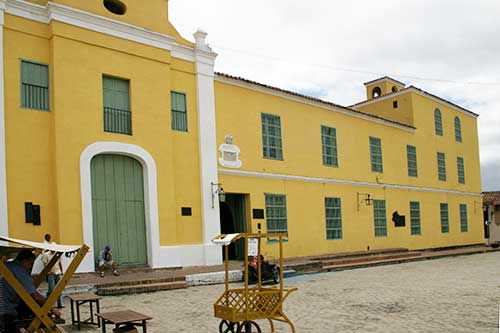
4 217
303 100
207 145
101 24
278 176
418 92
150 198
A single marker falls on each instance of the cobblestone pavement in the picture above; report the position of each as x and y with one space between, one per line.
454 294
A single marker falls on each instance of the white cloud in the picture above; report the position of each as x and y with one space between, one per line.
329 48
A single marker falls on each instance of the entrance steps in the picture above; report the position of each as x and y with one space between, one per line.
141 286
371 260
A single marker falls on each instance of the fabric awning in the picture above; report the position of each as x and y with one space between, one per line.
11 250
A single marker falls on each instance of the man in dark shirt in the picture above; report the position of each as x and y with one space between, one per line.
11 304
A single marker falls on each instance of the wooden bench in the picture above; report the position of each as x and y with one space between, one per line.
124 318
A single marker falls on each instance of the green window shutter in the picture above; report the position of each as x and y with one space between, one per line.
458 130
116 101
276 213
411 155
376 154
460 169
380 219
445 226
415 218
463 218
179 111
34 86
329 145
438 122
271 137
333 213
441 166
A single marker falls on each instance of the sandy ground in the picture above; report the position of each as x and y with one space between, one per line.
456 294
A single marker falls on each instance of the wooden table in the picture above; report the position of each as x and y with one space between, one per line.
127 317
81 299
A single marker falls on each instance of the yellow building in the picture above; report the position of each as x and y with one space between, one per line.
114 130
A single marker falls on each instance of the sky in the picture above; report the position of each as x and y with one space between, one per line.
328 49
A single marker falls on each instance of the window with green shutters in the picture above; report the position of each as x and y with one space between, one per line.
329 143
116 98
271 137
179 111
441 166
276 213
460 169
34 86
445 226
438 122
463 218
415 218
411 156
380 218
376 154
333 213
458 130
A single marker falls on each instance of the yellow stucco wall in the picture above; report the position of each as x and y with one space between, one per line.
239 114
53 141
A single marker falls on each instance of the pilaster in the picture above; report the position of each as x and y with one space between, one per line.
4 222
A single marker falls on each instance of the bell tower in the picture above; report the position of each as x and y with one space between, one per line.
383 86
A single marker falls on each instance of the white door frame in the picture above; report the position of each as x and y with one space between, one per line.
150 198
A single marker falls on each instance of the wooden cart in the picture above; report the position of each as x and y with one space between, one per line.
41 322
239 308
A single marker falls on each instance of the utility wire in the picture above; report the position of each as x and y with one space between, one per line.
340 69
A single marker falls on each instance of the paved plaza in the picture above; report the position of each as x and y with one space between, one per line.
454 294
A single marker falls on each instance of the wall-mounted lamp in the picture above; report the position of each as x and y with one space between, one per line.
367 199
219 191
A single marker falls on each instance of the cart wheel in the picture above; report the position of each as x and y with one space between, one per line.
226 326
276 275
249 327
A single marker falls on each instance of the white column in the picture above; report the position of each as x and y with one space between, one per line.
204 60
4 225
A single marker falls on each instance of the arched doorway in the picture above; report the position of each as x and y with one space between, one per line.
118 208
233 220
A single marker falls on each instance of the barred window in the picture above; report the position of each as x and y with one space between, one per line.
276 213
380 219
271 136
463 218
333 213
376 154
460 170
441 166
178 111
445 226
458 130
415 218
116 100
411 156
34 86
329 145
438 122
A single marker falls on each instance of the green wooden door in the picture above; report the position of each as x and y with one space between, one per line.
118 208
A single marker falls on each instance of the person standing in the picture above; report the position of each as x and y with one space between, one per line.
54 275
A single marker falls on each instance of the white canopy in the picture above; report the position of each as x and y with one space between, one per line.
226 240
34 245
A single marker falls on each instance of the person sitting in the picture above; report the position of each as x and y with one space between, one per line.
11 305
105 261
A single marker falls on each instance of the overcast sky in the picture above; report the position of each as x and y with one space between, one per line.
327 49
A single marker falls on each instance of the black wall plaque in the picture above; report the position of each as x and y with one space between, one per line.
186 211
399 220
258 214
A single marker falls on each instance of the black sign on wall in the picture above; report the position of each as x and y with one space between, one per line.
258 214
186 211
399 220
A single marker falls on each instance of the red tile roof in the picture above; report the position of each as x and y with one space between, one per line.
223 75
491 198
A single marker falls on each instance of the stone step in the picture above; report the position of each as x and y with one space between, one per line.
357 254
370 258
141 288
140 281
361 264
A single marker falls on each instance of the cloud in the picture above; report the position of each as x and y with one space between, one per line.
490 176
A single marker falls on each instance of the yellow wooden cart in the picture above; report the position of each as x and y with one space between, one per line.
41 322
238 308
